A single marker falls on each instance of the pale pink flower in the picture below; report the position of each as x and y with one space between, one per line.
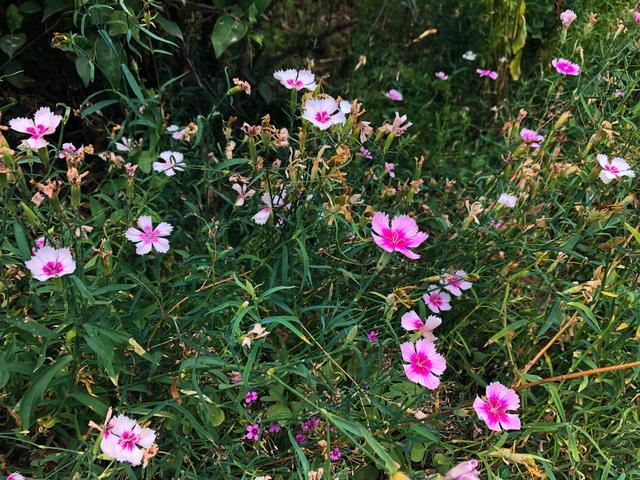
565 67
617 168
567 17
68 150
48 262
323 112
253 432
364 153
507 200
44 123
173 162
397 127
437 300
619 93
297 79
176 132
15 476
125 440
493 410
243 193
263 215
400 237
149 237
394 95
487 73
531 137
442 76
40 242
636 16
423 363
464 471
124 145
389 168
411 321
455 283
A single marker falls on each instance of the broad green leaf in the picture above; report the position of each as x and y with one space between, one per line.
227 31
12 42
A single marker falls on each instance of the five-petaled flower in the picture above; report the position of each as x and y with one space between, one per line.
324 112
394 95
411 321
565 67
243 193
296 79
507 200
493 410
48 262
335 454
149 237
442 76
616 168
250 397
464 471
44 123
125 440
487 73
401 236
531 137
173 162
437 300
456 283
424 364
253 432
15 476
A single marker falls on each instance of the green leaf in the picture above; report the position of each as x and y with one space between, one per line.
52 7
37 389
11 43
118 23
147 157
278 411
21 240
14 18
170 27
85 69
215 415
227 31
133 83
29 7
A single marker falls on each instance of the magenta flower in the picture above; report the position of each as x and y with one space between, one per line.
125 440
411 321
437 300
243 193
296 79
15 476
335 454
464 471
531 137
173 162
615 169
507 200
364 153
493 410
274 427
442 76
250 397
389 168
455 283
149 237
567 17
636 17
68 150
372 336
253 432
44 123
48 262
310 424
394 95
487 73
300 438
619 93
423 363
40 242
400 237
565 67
323 112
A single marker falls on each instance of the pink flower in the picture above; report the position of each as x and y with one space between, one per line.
394 95
567 17
464 471
125 440
124 145
274 427
636 16
494 409
297 79
617 168
364 153
619 93
397 127
68 150
44 123
149 237
300 438
455 284
48 262
411 321
423 363
335 454
531 137
243 193
40 242
487 73
173 162
323 112
403 234
442 76
15 476
389 168
253 432
372 336
176 132
250 397
263 215
507 200
565 67
437 300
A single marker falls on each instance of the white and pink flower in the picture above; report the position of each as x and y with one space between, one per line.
125 440
48 262
442 76
531 137
149 238
412 322
44 123
15 476
614 169
323 112
456 284
394 95
567 18
124 145
565 67
437 300
487 73
464 471
389 167
243 193
172 162
296 79
424 364
270 203
507 200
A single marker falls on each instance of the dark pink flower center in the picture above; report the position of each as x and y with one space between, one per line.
397 239
52 269
323 117
36 132
435 299
149 235
421 363
496 406
294 83
128 440
612 168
